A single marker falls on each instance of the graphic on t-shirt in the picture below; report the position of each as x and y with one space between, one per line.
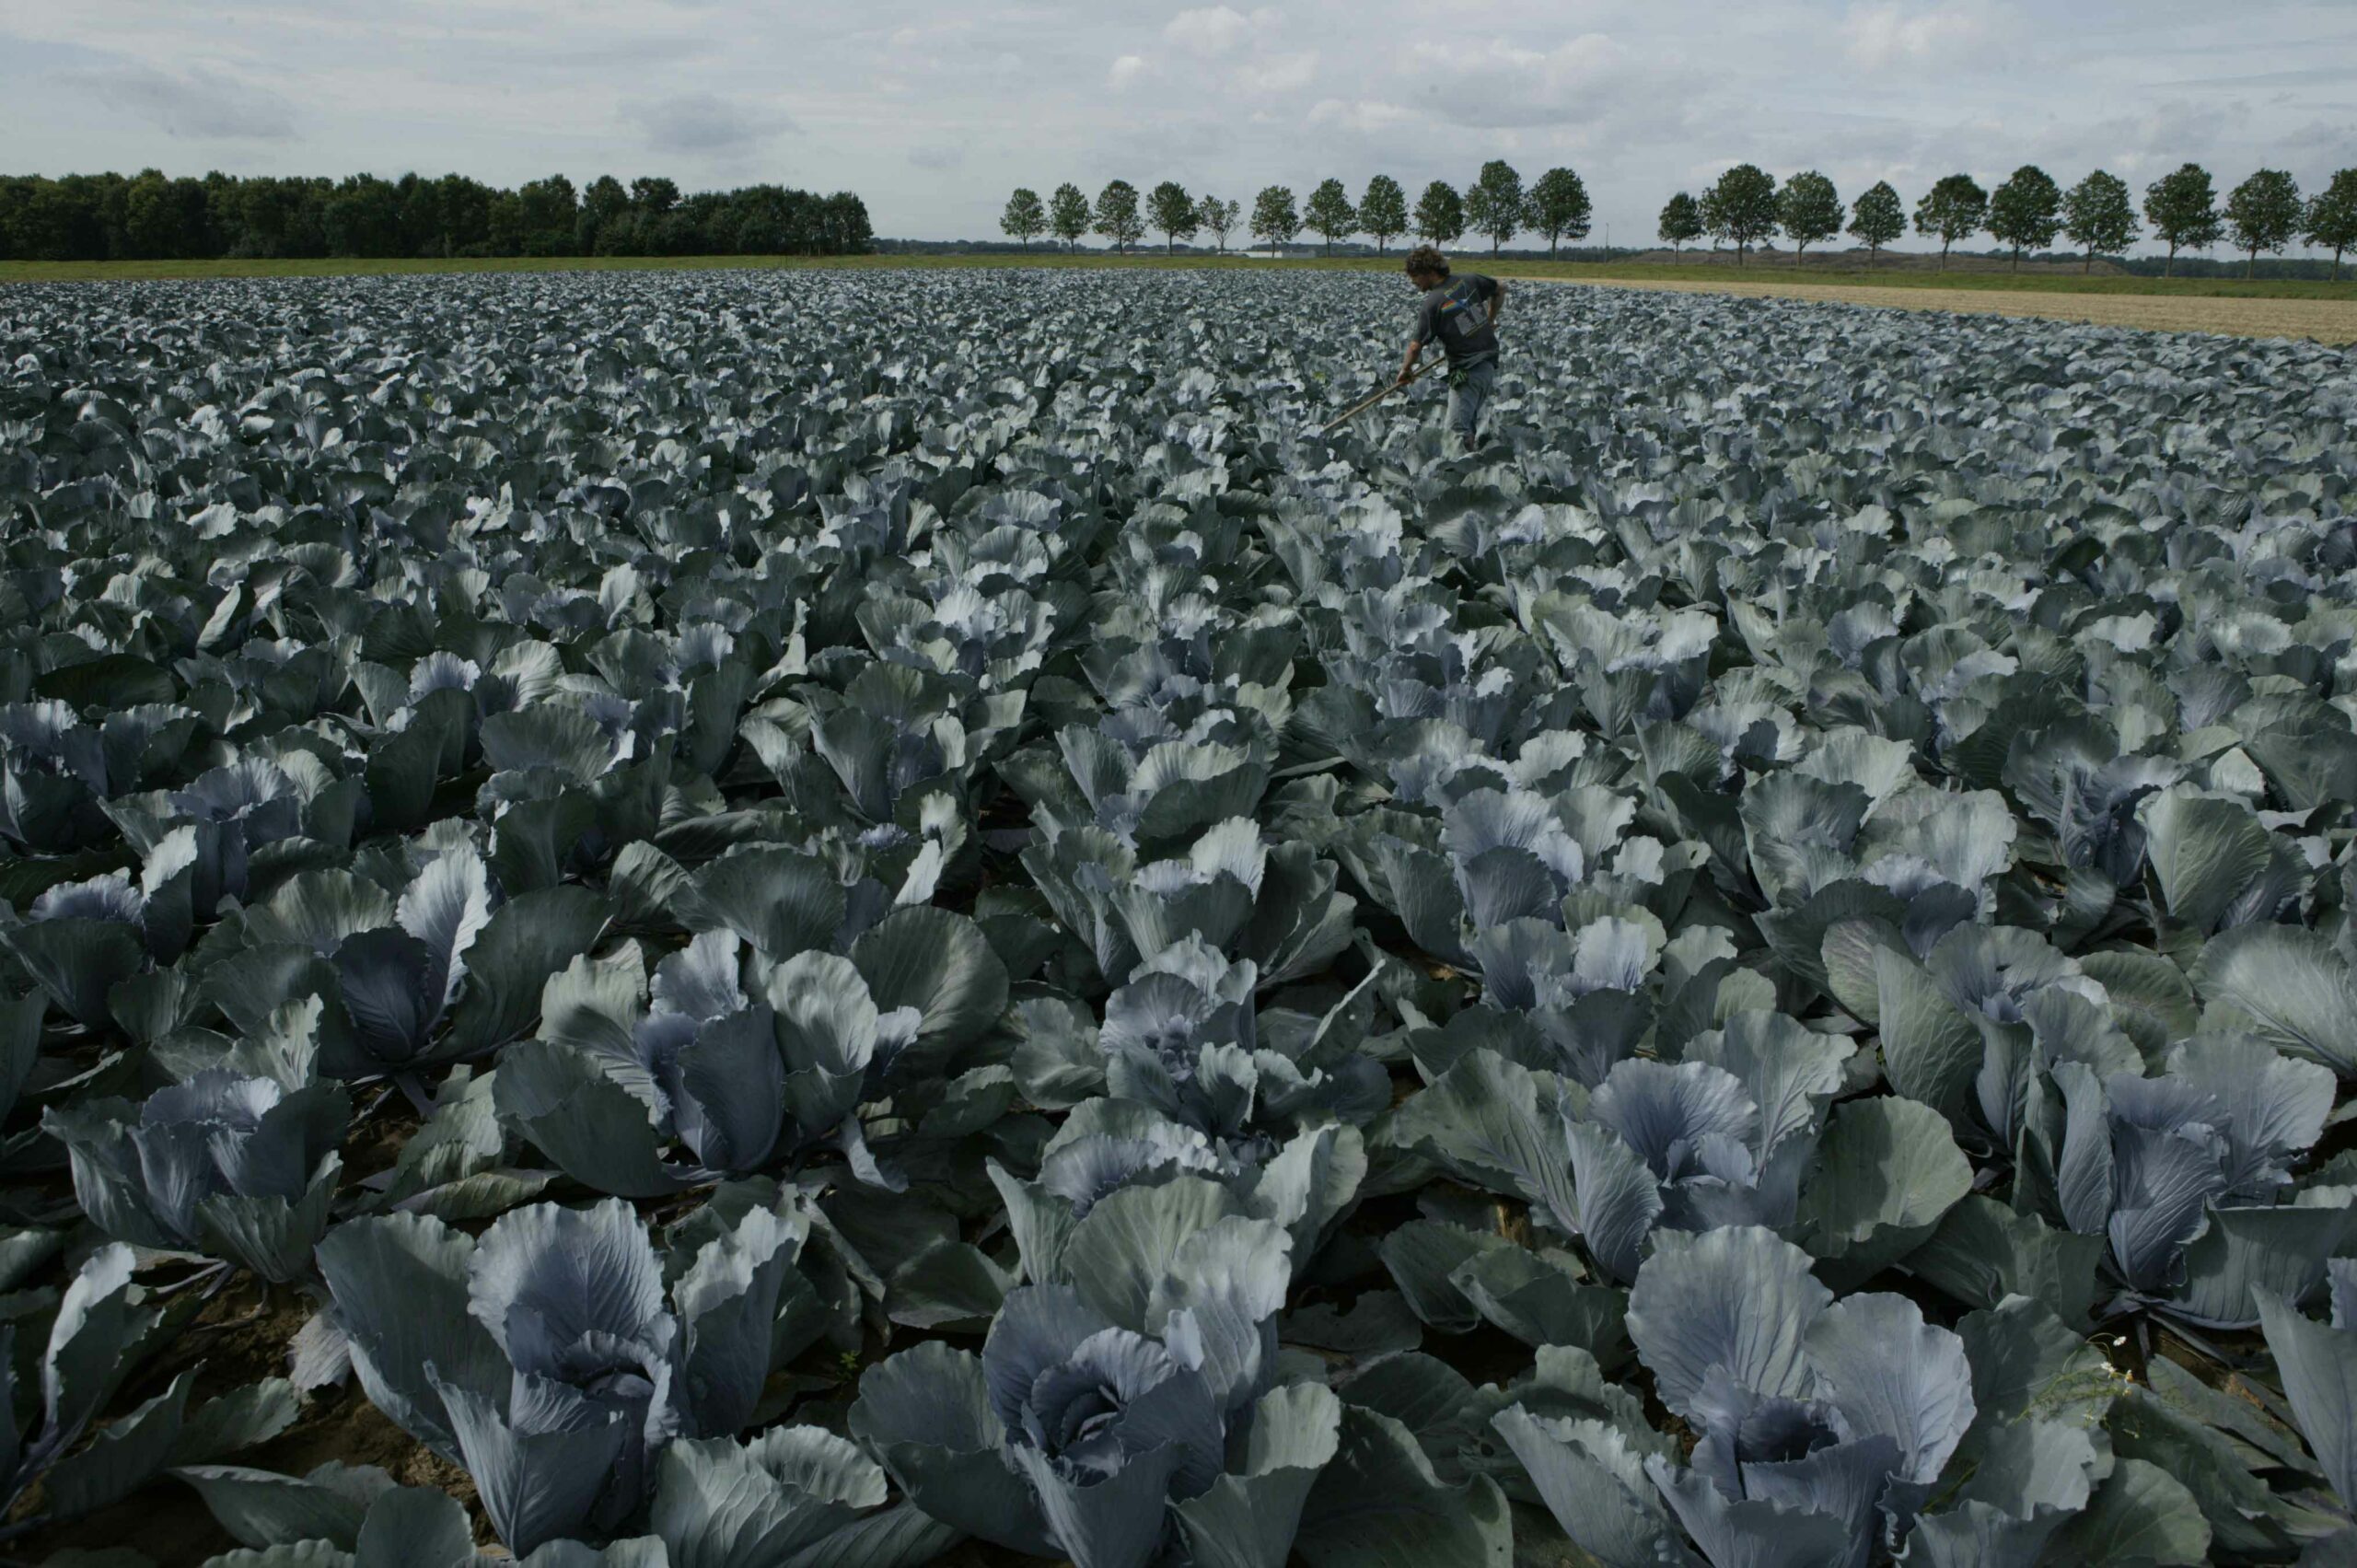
1454 315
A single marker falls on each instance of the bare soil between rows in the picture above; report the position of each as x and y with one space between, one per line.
2324 321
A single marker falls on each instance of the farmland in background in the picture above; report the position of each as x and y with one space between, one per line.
2324 311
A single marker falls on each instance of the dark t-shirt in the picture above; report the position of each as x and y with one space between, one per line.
1454 313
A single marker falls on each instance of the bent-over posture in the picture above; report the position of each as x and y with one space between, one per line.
1462 313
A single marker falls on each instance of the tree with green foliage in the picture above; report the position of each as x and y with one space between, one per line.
1809 209
2182 207
605 213
2099 217
1878 218
1440 214
1329 213
1274 217
1173 212
1383 211
1493 203
1682 222
1026 217
2264 214
1118 218
465 206
1741 208
166 217
651 199
1956 208
1068 214
1558 207
2026 212
2331 221
540 219
1218 216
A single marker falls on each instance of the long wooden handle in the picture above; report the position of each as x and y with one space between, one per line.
1359 409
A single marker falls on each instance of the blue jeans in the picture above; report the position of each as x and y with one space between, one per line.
1469 393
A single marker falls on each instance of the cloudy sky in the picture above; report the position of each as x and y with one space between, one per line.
933 111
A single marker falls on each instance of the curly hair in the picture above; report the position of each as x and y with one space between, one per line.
1427 258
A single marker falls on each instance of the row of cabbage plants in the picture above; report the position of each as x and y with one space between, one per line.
838 919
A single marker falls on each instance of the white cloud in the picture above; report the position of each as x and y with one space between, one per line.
1881 36
1127 69
1279 75
1214 30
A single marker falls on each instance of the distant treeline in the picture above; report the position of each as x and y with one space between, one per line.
1744 208
147 216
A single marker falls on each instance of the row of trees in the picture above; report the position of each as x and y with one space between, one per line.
106 217
1496 205
1744 208
2265 212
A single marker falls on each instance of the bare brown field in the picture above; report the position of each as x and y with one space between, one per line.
2325 320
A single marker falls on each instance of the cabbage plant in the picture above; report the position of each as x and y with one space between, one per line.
1181 1037
2186 1176
2318 1363
1821 1424
93 1344
1100 1419
738 1070
549 1357
242 1168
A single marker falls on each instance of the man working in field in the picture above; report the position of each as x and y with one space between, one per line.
1463 314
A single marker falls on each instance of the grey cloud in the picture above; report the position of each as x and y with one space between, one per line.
937 158
704 122
631 53
198 105
2316 76
1503 86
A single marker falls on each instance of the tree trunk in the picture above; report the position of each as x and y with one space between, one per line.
2250 268
2090 267
2170 271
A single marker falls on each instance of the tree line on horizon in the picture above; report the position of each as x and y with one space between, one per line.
1496 205
1745 207
147 216
2265 212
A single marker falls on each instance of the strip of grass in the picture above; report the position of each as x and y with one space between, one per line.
1897 276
